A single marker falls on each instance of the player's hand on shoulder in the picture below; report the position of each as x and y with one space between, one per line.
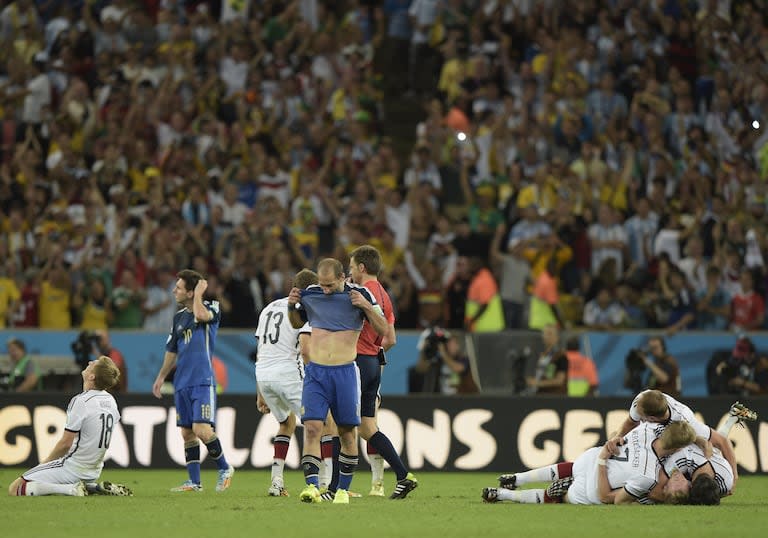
294 296
357 299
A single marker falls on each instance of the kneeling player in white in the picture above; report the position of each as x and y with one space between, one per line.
280 374
78 456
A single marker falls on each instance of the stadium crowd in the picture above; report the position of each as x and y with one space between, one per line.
595 163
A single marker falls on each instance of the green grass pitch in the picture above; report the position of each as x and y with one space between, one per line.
444 505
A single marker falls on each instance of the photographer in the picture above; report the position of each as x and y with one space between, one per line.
104 347
24 376
745 373
661 369
442 366
90 344
552 366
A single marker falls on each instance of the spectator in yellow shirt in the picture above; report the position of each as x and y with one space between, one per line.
9 296
55 292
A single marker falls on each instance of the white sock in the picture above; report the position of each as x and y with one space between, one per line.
324 476
277 471
542 474
725 429
377 468
35 489
525 496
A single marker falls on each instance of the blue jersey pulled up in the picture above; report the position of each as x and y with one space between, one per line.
193 344
334 311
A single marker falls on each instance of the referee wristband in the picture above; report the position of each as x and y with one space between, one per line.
601 461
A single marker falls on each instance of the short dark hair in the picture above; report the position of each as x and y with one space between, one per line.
18 343
304 278
190 278
661 341
704 491
331 264
368 256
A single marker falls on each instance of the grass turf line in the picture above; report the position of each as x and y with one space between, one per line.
444 505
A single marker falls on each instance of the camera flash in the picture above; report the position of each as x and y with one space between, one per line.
755 124
461 137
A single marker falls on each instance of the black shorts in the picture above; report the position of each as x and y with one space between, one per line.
370 381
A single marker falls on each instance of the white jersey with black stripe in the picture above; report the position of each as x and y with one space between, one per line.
690 459
93 415
637 465
278 356
677 412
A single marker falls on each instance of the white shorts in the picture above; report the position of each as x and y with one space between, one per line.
584 488
56 472
282 397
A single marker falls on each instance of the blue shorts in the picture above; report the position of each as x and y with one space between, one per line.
370 381
331 387
195 404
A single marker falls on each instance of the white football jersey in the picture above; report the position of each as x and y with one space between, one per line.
278 356
678 412
691 458
94 416
636 467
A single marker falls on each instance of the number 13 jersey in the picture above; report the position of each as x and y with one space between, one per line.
278 353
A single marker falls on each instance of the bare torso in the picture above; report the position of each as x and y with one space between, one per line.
333 348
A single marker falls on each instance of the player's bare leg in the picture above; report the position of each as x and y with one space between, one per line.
282 441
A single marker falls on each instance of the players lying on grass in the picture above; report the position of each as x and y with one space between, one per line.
630 476
659 408
78 456
711 477
281 356
561 473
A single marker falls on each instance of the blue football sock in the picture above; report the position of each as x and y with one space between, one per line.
192 456
214 451
347 466
383 446
311 466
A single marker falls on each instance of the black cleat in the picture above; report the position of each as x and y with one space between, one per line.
108 488
404 487
490 495
559 488
508 481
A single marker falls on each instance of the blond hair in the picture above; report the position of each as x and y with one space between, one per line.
304 278
677 435
105 373
652 403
